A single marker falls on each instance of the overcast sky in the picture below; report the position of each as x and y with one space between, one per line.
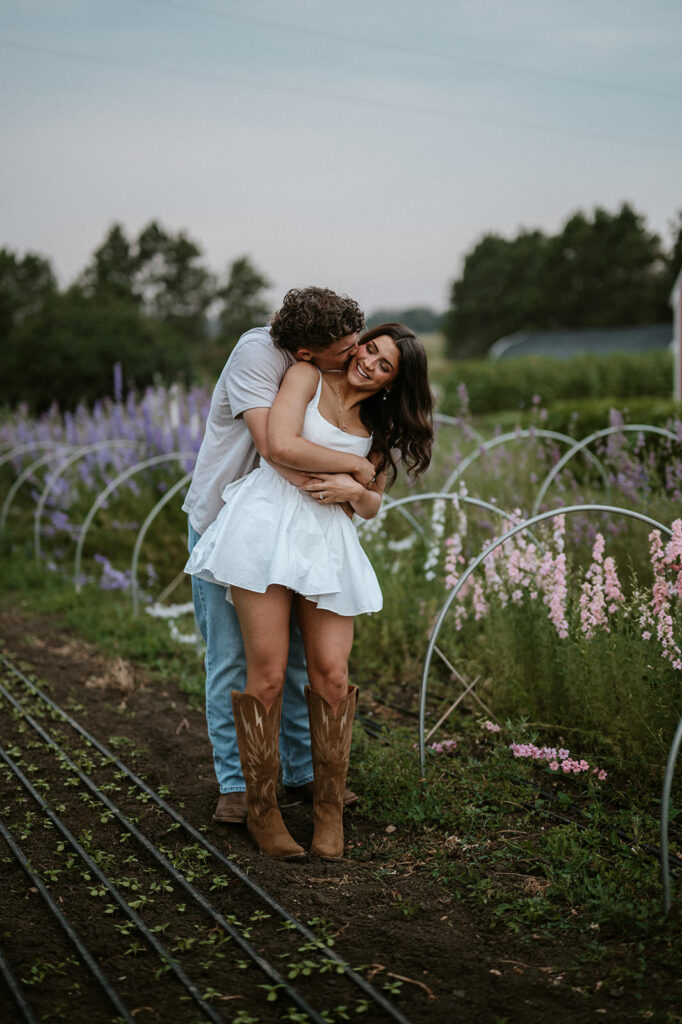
360 145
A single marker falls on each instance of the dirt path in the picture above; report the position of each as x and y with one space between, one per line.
382 906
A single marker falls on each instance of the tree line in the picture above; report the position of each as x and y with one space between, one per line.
148 303
599 270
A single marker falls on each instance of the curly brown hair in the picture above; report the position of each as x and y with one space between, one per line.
314 318
400 417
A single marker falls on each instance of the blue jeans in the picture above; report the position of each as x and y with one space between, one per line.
225 664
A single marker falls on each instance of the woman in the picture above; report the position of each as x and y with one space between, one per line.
277 549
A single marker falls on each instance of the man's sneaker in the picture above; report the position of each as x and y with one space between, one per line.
305 793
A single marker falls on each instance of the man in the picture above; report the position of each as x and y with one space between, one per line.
313 324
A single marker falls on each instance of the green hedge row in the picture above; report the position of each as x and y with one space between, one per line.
578 418
66 352
514 383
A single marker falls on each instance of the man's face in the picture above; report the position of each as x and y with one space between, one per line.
335 357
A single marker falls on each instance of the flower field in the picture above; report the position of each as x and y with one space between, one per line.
77 455
573 626
553 688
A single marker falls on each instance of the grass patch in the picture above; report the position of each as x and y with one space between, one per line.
546 856
103 618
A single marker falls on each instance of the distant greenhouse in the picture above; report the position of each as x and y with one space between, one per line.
598 341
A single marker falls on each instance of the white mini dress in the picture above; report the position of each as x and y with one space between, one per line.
269 532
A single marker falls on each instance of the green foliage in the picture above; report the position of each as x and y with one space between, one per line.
421 319
389 648
112 271
159 272
513 383
242 301
487 825
606 271
25 286
603 271
395 790
499 292
582 418
613 691
144 302
177 289
106 619
67 351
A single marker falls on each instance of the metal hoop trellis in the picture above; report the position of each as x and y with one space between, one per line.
80 453
25 475
388 503
453 421
155 460
517 435
642 428
142 532
436 496
470 569
28 446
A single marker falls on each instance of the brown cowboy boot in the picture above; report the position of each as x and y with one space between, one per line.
330 737
258 739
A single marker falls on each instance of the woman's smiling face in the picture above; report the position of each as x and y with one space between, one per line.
375 364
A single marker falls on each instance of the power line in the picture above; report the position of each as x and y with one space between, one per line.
412 51
356 101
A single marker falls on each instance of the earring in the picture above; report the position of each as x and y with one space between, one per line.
385 394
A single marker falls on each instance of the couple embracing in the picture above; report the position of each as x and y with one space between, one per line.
304 427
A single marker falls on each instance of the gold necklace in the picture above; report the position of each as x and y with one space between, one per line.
342 425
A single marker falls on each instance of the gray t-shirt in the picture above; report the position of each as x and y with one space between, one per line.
250 380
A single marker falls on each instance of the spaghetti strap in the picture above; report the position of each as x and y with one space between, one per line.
315 400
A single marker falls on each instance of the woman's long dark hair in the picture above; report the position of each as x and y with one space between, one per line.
401 418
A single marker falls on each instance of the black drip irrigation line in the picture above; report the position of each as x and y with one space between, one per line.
371 727
16 990
270 972
151 939
83 951
375 729
441 699
630 840
393 1012
655 851
674 861
396 707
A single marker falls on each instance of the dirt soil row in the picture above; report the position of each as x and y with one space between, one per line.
380 902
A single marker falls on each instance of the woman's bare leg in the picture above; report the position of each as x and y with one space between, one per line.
264 620
328 639
331 707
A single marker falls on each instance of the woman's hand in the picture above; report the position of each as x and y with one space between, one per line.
333 488
365 474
